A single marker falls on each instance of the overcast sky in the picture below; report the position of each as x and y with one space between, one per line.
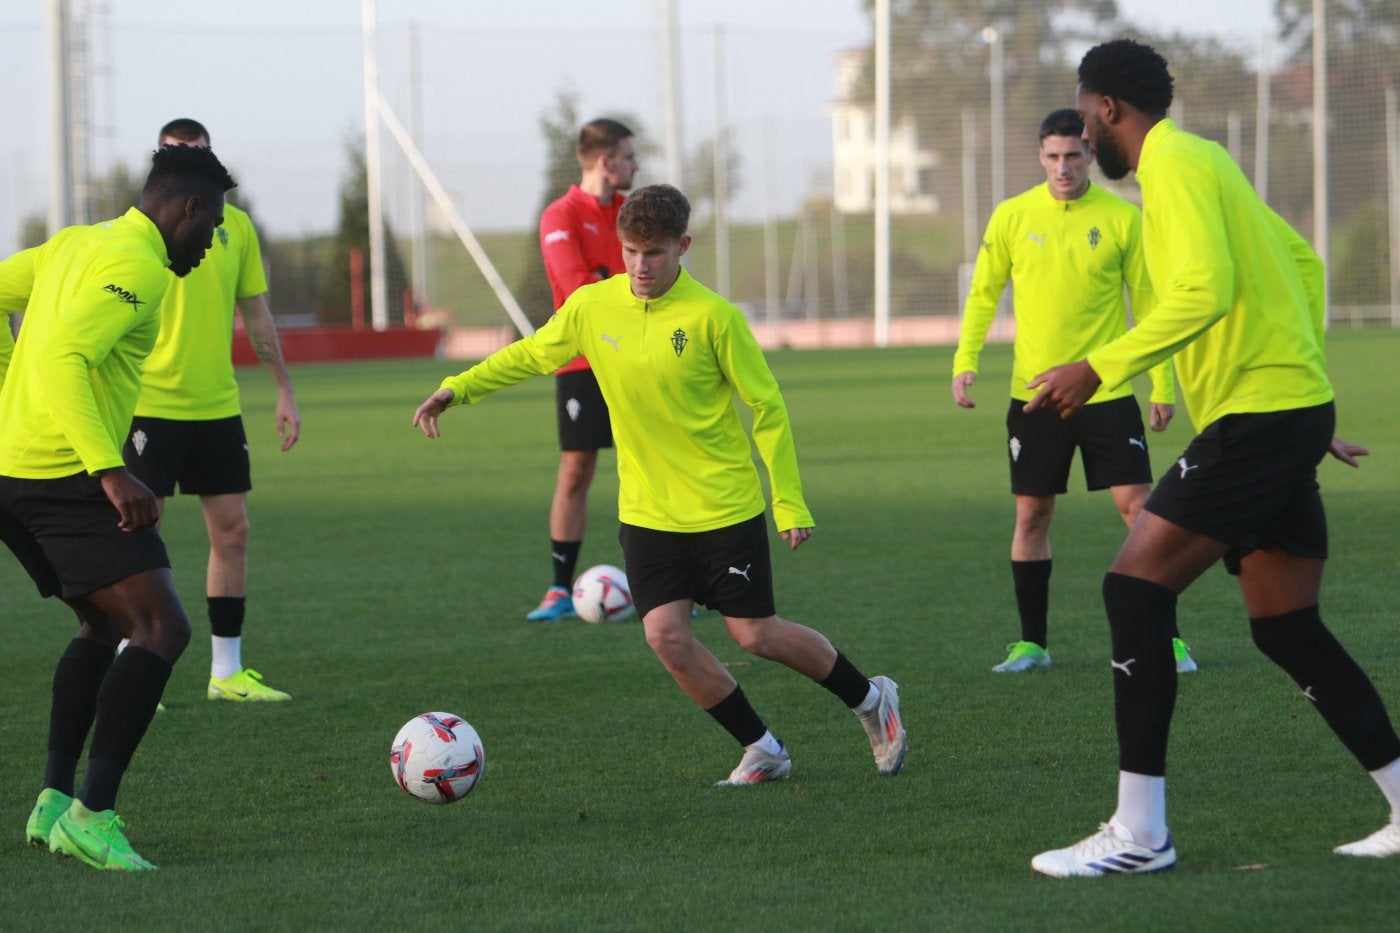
279 83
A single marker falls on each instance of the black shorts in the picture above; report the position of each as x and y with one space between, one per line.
582 413
727 569
64 532
206 458
1110 437
1250 481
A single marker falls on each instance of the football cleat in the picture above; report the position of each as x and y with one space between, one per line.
246 686
885 729
95 839
47 809
1022 656
557 604
1381 843
759 767
1182 651
1110 851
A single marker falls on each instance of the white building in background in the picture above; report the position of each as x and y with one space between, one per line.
853 151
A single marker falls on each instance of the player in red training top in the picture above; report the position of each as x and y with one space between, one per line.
578 238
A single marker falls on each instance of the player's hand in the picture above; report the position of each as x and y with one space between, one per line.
1347 453
960 383
1160 415
288 419
795 536
135 504
426 417
1064 388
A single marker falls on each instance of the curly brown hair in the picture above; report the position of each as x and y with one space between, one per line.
654 214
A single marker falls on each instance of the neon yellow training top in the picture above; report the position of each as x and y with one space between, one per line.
93 316
189 375
668 369
16 282
1240 295
1068 262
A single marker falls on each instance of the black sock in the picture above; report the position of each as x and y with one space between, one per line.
76 681
1141 615
126 702
738 718
226 615
848 684
1300 643
1032 581
565 557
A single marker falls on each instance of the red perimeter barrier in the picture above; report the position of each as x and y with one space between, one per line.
322 344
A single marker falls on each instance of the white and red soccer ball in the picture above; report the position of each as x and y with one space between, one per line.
601 594
437 758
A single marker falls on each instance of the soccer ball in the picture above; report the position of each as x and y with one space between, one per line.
601 594
437 758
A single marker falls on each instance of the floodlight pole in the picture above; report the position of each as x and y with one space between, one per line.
1320 207
378 287
61 212
882 173
670 42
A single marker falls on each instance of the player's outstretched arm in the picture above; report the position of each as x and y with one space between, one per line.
426 417
1064 388
795 536
1347 453
960 384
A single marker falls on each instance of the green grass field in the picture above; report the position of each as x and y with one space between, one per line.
390 576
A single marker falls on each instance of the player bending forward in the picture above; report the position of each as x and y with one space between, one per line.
669 354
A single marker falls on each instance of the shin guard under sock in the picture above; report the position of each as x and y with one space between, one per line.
126 703
76 681
1141 618
1300 643
1031 579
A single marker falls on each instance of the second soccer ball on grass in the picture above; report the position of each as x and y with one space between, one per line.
601 594
437 758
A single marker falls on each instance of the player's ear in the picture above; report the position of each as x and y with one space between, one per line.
685 243
193 205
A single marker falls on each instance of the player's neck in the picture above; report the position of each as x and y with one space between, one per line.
598 186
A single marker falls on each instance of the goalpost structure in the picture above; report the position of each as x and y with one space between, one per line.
377 108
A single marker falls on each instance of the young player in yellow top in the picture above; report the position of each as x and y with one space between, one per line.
670 355
188 431
1240 304
79 522
1069 248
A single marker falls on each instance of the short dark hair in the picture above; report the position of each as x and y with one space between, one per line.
185 130
654 214
177 171
1064 122
600 136
1130 71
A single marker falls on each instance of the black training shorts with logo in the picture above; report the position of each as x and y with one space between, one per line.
583 415
727 569
206 458
1250 481
1109 436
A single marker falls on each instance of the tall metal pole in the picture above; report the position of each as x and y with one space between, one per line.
415 194
1392 161
378 287
996 41
670 51
721 169
882 173
1320 206
770 231
1262 119
61 158
971 240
